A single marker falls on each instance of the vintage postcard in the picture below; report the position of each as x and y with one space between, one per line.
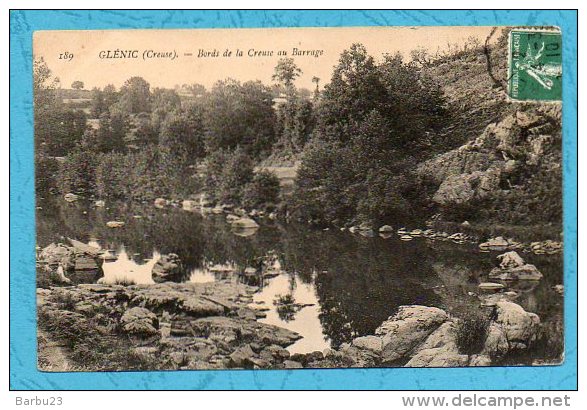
298 198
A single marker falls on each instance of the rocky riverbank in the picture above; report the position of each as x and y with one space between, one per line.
215 326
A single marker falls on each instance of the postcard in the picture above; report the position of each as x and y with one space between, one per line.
292 198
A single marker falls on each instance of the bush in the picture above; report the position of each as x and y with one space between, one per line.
471 332
136 176
262 191
227 173
46 168
77 173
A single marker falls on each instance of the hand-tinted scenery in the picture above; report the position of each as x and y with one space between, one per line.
400 211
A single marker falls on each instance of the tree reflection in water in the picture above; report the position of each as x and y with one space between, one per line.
356 283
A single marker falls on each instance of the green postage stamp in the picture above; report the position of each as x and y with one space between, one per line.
535 65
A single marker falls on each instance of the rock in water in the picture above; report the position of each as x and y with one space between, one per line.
244 223
168 269
71 197
139 321
513 267
114 224
386 229
161 203
495 244
510 260
526 272
80 247
100 204
491 286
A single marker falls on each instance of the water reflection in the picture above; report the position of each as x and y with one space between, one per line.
125 270
329 286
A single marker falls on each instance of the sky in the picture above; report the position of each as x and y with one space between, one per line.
187 67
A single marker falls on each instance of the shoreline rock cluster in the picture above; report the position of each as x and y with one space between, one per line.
243 223
215 326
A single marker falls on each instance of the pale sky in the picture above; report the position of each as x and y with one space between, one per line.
86 46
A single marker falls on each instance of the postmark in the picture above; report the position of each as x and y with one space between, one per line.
535 65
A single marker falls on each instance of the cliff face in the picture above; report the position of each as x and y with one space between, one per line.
506 164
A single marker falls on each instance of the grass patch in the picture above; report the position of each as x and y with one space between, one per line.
124 282
471 332
95 343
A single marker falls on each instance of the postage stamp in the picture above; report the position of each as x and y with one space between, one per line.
535 65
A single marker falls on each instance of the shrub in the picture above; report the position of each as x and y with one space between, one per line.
262 191
227 173
471 332
77 173
46 169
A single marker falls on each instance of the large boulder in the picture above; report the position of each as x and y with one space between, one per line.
510 260
438 357
513 329
168 269
371 343
58 254
513 267
139 321
407 329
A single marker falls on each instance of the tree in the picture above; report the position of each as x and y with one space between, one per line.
227 174
197 90
112 132
77 85
102 100
165 99
294 124
316 81
135 96
374 121
242 115
262 191
286 71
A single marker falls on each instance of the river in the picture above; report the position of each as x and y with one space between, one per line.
338 285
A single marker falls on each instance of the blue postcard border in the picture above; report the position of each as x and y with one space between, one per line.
23 371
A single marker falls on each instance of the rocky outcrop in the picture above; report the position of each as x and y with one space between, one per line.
58 254
513 267
187 326
422 336
492 162
67 258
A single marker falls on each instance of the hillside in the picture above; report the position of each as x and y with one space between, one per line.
505 165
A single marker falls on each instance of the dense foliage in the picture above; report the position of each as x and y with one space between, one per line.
373 122
358 140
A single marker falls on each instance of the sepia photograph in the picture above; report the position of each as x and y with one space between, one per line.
290 198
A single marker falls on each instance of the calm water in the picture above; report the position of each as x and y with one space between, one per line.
344 285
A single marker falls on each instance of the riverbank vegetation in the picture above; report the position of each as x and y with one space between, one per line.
385 140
